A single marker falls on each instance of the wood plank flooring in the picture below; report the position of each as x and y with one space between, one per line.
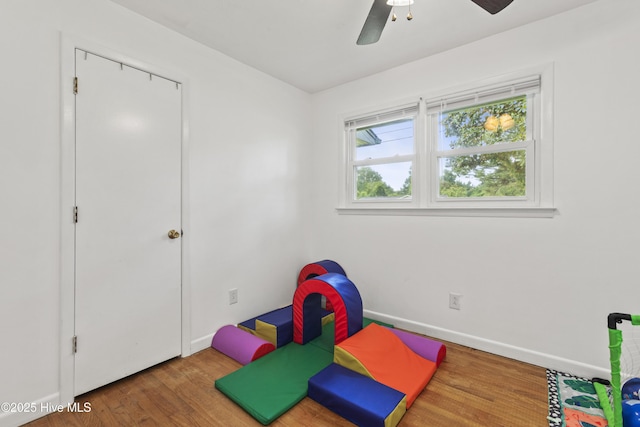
471 388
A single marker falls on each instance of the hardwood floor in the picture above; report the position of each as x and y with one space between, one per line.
471 388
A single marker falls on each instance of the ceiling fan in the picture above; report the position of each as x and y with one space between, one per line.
381 9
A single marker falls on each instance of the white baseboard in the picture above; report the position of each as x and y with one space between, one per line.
29 411
506 350
201 343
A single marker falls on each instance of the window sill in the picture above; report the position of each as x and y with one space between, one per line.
529 212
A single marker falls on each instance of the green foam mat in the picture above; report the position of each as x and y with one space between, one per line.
271 385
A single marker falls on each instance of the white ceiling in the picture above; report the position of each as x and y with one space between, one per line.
311 44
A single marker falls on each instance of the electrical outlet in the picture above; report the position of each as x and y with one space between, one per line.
233 296
454 300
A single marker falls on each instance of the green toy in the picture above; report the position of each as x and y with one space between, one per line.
613 408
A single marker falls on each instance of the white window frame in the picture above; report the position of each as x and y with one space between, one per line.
528 86
409 110
538 201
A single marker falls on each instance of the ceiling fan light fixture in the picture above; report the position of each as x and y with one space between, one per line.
492 124
506 121
381 10
400 3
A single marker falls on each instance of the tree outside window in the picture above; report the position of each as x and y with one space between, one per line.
486 127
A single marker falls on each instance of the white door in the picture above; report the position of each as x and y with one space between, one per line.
128 196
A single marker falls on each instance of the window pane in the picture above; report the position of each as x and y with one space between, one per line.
391 180
486 124
483 175
385 140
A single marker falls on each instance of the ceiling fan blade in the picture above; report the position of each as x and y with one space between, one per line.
376 20
492 6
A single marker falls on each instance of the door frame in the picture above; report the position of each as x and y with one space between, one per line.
68 44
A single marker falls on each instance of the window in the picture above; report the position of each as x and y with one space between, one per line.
483 144
477 151
382 155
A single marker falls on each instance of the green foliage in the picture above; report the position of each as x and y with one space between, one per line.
406 186
491 174
370 184
451 188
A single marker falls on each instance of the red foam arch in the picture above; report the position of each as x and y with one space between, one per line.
319 268
315 286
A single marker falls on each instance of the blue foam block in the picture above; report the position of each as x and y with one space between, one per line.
282 321
359 399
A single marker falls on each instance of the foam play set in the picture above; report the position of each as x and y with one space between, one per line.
321 346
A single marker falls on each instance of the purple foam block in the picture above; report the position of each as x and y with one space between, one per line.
422 346
240 345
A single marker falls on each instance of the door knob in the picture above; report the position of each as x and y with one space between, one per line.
173 234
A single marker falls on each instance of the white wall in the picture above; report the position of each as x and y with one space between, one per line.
247 139
534 289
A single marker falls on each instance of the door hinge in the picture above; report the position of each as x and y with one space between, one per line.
75 85
74 344
75 214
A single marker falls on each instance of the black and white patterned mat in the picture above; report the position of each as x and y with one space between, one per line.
574 395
